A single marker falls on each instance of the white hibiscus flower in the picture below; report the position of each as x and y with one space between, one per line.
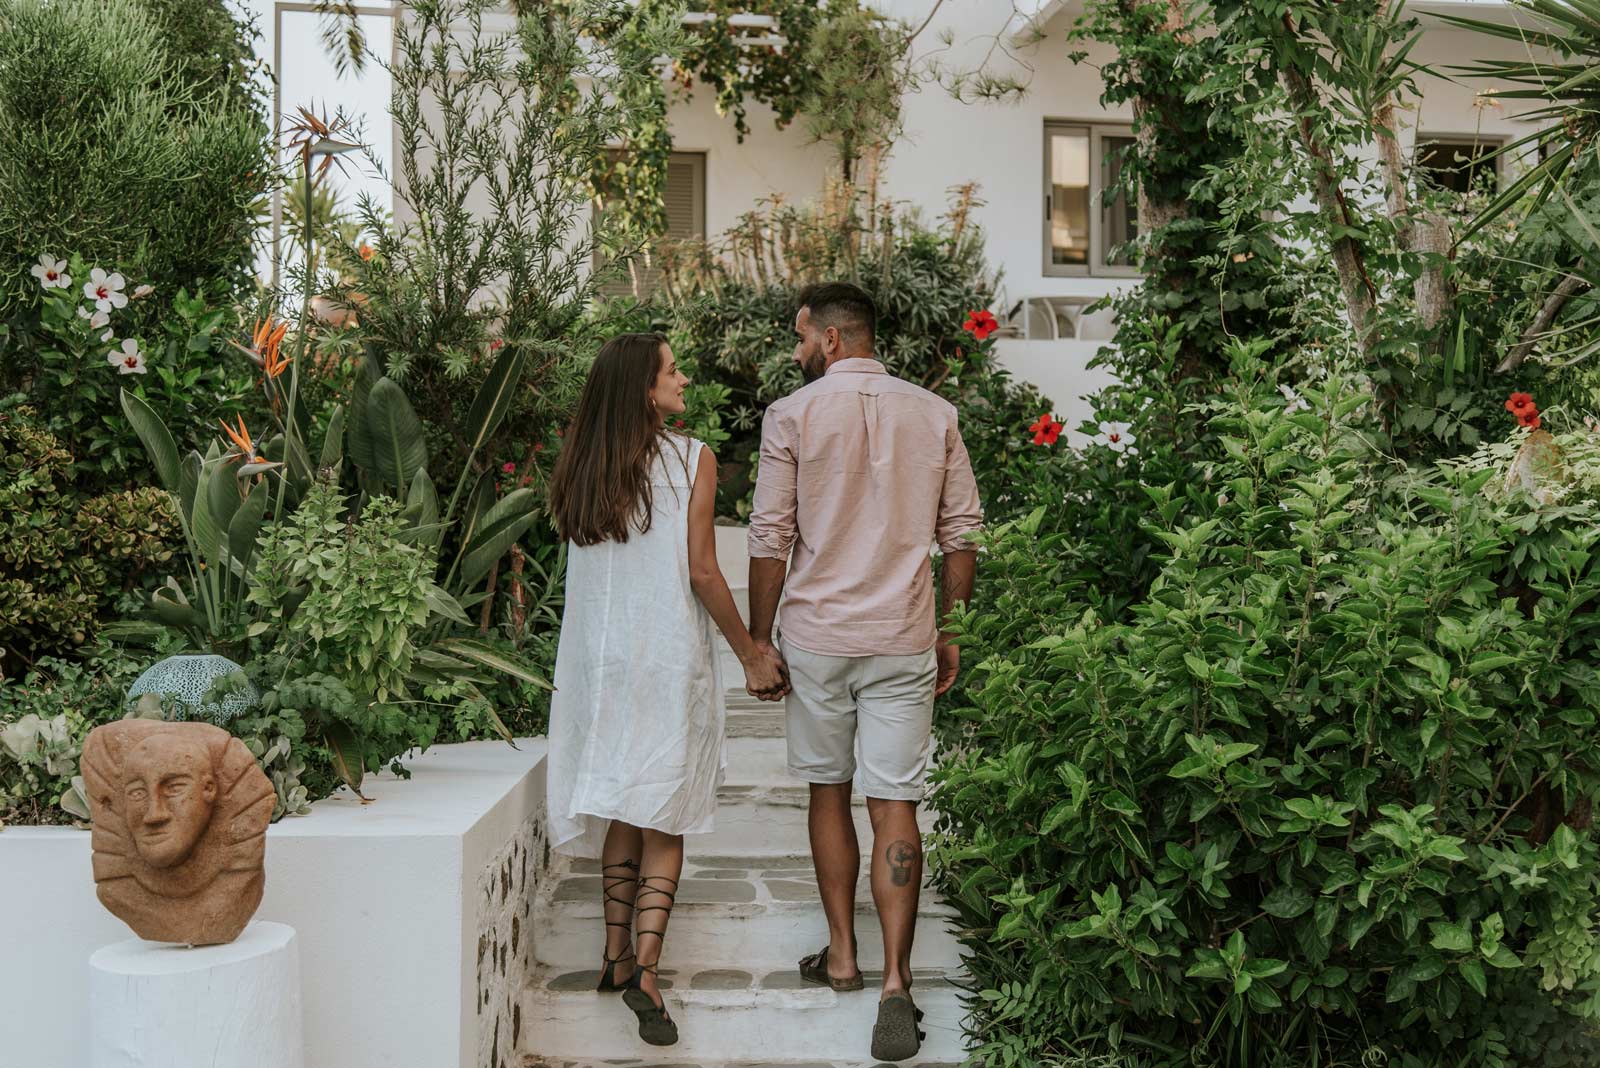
1296 403
1115 437
51 272
97 319
128 360
143 291
105 290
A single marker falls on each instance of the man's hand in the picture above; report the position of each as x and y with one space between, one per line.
949 657
766 676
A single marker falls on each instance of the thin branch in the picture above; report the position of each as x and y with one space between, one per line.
1570 286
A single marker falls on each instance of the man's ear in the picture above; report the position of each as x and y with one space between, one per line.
830 340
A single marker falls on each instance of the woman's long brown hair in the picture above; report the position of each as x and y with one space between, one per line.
600 489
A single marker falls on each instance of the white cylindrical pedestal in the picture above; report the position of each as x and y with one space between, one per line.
230 1006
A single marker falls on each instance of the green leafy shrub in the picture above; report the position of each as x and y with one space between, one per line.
729 314
44 716
76 353
1321 795
63 556
109 146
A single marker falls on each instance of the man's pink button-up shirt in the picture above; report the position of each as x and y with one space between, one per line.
861 473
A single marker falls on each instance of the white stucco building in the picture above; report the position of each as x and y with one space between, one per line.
1038 160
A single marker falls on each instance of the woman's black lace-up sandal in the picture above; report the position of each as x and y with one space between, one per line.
655 1026
615 879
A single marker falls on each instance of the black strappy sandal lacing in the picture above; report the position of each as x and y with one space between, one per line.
655 1026
610 883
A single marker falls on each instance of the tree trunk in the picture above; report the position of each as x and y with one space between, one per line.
1427 236
1348 262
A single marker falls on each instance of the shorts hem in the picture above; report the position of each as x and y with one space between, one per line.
816 778
895 794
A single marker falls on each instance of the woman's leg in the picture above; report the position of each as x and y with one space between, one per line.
658 886
619 883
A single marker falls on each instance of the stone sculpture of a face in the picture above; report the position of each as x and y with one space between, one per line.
180 816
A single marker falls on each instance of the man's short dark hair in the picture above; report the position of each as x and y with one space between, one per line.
845 307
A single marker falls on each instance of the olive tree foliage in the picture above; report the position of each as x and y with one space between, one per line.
113 145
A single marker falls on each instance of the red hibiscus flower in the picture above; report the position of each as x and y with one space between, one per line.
508 467
1518 403
1529 419
980 324
1046 430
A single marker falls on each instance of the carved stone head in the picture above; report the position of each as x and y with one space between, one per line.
180 816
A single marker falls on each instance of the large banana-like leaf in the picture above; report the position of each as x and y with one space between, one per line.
157 440
479 501
245 527
333 442
422 507
189 481
345 750
210 533
172 608
223 495
359 442
499 529
483 653
439 600
494 397
400 448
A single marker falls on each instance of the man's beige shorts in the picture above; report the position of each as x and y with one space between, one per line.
862 718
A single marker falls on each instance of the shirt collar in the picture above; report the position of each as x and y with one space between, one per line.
856 365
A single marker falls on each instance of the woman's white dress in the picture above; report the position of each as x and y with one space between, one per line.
636 721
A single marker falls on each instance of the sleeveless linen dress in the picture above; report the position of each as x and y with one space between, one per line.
636 721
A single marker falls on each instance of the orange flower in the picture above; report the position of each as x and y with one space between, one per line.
241 440
364 251
267 340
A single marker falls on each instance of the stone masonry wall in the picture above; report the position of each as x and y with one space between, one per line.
506 890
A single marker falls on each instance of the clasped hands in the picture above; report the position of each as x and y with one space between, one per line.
766 676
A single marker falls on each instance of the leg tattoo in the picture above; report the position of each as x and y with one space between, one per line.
901 856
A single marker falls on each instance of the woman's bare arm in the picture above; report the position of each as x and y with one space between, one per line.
706 578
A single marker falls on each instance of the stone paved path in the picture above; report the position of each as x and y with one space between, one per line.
747 911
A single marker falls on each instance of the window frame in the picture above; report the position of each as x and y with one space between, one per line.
699 161
1489 143
1096 267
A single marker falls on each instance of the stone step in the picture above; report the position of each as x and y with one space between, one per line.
737 1016
760 912
763 820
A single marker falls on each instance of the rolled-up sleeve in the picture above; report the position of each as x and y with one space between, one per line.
960 512
772 516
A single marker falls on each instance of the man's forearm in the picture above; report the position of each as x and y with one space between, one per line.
957 572
766 586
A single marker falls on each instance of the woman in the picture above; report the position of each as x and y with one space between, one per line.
636 722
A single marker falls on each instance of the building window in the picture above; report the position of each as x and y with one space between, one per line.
1461 164
1084 229
685 198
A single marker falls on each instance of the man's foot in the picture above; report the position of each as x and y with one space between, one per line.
896 1037
819 969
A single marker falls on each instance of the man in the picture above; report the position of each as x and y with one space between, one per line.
860 474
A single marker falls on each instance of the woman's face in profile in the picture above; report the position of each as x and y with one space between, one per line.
670 383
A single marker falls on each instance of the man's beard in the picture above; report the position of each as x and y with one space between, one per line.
812 368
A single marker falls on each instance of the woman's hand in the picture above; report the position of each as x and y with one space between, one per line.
766 676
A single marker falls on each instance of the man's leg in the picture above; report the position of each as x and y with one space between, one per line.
896 884
836 854
895 710
821 728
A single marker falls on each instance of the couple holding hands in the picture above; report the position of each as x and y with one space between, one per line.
860 474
